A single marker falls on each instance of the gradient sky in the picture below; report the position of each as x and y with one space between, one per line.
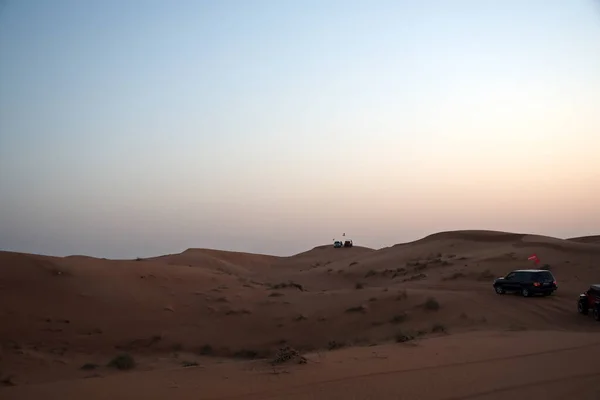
139 128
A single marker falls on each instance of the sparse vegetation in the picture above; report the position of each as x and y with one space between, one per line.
432 304
187 364
353 263
370 273
290 284
8 381
275 294
398 318
438 328
360 308
286 354
122 362
238 312
206 350
334 345
415 278
402 337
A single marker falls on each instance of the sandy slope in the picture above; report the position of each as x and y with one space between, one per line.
218 308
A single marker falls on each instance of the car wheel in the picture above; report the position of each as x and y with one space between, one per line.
597 313
525 292
581 308
499 290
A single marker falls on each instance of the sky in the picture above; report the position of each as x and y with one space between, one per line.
140 128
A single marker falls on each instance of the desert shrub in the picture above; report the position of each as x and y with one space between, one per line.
370 273
396 319
122 362
402 337
437 327
187 364
415 278
353 263
206 350
286 354
289 284
432 304
333 345
275 294
360 308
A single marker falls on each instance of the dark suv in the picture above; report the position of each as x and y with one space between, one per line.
590 299
528 282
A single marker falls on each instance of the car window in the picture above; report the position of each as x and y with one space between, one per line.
543 276
510 276
520 276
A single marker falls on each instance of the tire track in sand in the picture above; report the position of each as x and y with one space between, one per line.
306 390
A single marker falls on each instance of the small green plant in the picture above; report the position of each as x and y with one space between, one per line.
122 362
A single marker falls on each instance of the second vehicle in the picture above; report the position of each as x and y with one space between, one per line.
527 282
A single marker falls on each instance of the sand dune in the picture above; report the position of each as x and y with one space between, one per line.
335 306
586 239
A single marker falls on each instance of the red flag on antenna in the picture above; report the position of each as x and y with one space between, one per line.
534 258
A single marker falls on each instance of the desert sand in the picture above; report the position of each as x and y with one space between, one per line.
417 320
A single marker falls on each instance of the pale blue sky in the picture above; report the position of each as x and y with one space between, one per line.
137 128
